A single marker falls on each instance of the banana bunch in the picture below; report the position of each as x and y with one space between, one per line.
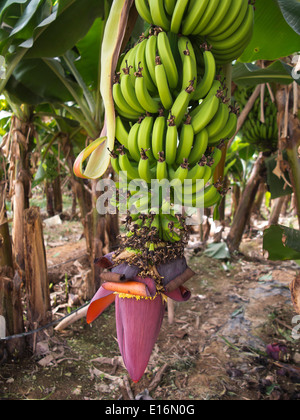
173 118
227 25
263 135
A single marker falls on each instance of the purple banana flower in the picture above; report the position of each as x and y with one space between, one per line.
139 315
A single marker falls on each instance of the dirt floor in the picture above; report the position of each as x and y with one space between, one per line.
216 348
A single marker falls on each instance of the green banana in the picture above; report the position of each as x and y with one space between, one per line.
161 168
228 132
115 162
171 142
150 54
206 83
194 15
167 58
170 6
186 141
144 167
240 14
122 106
177 15
143 96
127 166
217 156
189 63
216 89
180 106
239 35
163 84
145 135
230 17
199 148
181 173
218 17
219 121
205 114
128 92
210 197
207 17
133 141
121 132
158 14
198 171
158 135
141 62
142 7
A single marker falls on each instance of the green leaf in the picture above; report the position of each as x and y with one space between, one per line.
251 75
282 243
218 251
26 16
90 51
33 82
73 21
273 38
8 3
277 186
291 12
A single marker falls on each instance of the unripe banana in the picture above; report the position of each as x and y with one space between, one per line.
167 58
171 142
158 135
143 10
209 76
140 62
186 141
218 17
207 17
170 6
228 132
205 114
199 148
180 106
194 16
158 14
219 121
161 168
189 62
128 92
145 135
181 173
144 167
121 132
143 95
163 84
133 146
122 106
150 55
177 15
127 166
198 171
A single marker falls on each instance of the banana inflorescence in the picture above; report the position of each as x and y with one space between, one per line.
173 113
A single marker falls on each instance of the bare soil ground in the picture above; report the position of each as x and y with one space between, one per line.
214 350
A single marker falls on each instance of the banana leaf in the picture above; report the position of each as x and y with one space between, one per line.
248 74
282 243
273 37
291 12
